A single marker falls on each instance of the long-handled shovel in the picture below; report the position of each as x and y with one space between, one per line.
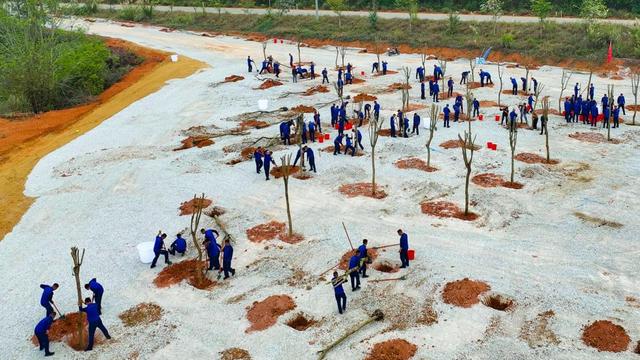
377 315
59 313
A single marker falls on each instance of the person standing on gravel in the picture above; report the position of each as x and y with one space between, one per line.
404 249
341 297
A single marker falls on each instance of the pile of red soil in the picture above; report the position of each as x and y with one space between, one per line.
189 207
344 260
235 354
362 97
329 149
293 239
65 330
389 72
414 107
385 132
184 270
269 83
141 314
490 180
520 92
592 137
530 158
277 173
300 322
302 176
197 141
233 78
463 117
385 267
264 232
453 144
357 81
632 107
397 86
362 189
301 109
606 336
551 112
445 95
256 124
445 209
315 90
464 293
475 85
487 103
414 163
265 313
395 349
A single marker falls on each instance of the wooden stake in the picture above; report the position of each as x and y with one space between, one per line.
348 238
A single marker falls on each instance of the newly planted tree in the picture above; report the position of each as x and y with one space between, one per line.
343 54
285 163
264 49
468 148
536 95
500 74
433 122
299 126
443 66
77 262
635 82
469 100
375 124
339 92
545 125
198 207
564 81
406 72
472 67
610 95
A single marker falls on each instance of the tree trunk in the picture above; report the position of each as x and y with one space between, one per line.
286 196
428 155
546 131
77 262
512 165
299 56
466 191
635 109
373 170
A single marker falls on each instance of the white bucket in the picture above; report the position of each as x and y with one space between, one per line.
145 252
174 57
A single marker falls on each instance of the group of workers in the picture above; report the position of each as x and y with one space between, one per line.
358 265
576 109
92 307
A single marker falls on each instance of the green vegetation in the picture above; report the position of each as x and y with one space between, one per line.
44 68
557 42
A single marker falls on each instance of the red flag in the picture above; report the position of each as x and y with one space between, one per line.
610 53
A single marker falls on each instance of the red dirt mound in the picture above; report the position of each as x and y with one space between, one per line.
530 158
277 173
616 77
265 313
520 92
301 323
197 141
301 109
256 124
487 103
445 95
551 112
233 78
414 107
167 30
268 84
414 163
235 354
189 207
141 314
329 149
293 239
452 144
386 267
385 132
513 185
445 209
362 189
606 336
183 270
65 330
464 293
363 97
488 180
389 72
344 260
475 85
592 137
357 81
397 86
302 175
315 90
263 232
632 107
394 349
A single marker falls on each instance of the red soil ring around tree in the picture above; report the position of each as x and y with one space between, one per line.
414 107
488 180
616 77
302 176
303 109
265 313
389 72
329 149
414 163
464 293
456 143
551 112
362 189
300 322
256 124
269 83
189 207
344 260
487 103
65 330
267 231
463 117
233 78
606 336
356 81
385 132
476 85
445 95
293 239
194 141
445 209
394 349
632 107
530 158
315 90
277 173
513 185
397 86
520 92
386 267
362 97
184 270
592 137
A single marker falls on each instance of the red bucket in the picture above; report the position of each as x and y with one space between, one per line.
411 254
362 73
327 136
494 147
489 145
348 126
497 117
481 117
320 139
275 41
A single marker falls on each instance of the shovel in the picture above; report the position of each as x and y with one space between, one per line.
59 313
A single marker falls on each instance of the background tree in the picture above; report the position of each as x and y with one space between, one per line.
377 48
337 6
373 15
541 9
493 7
635 82
284 6
564 82
285 164
433 122
593 9
375 124
468 148
198 207
77 262
513 139
453 25
500 74
411 7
